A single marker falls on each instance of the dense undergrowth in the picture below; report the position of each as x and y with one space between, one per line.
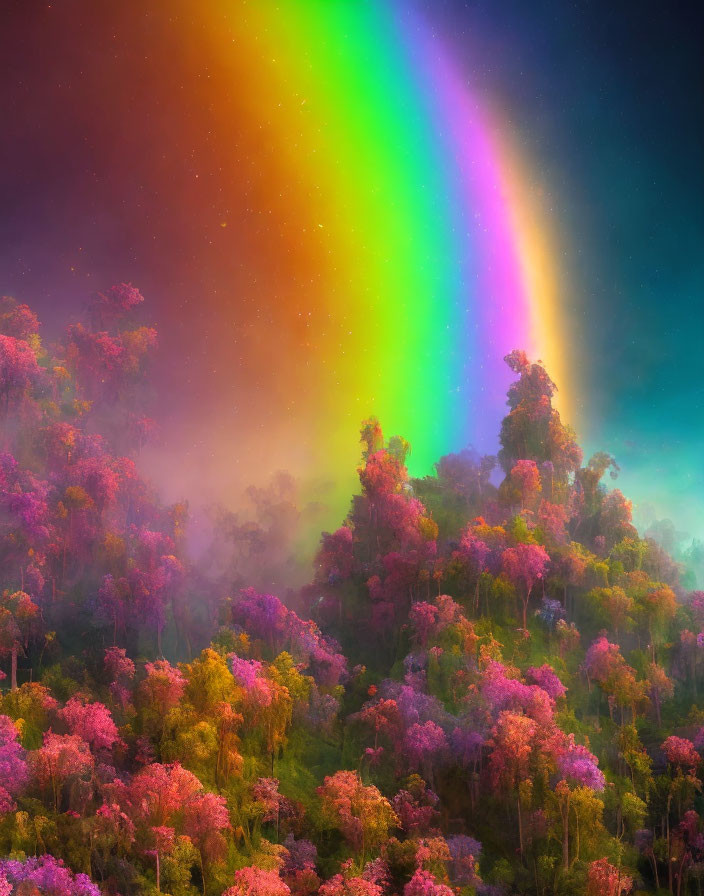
491 684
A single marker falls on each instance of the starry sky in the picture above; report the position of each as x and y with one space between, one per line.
115 165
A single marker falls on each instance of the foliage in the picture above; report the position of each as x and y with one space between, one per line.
491 688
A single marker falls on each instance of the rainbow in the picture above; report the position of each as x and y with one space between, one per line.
413 250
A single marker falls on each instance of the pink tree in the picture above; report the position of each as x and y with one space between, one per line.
524 480
576 766
44 875
160 692
19 372
524 565
13 766
424 746
204 820
681 753
476 552
360 812
163 687
383 718
163 798
416 807
423 883
422 618
113 603
16 320
513 740
253 881
90 721
18 614
61 758
552 519
604 879
340 885
109 307
544 676
25 528
120 670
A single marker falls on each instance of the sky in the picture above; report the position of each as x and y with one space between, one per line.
141 143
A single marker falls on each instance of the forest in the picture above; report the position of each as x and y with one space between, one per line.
490 684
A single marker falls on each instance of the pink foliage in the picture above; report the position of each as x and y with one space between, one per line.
45 875
422 617
602 660
525 564
164 685
90 721
253 881
360 812
424 884
544 676
604 879
681 752
19 370
416 810
424 744
18 321
525 477
349 886
578 765
13 765
62 756
118 665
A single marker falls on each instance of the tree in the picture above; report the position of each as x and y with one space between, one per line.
577 769
61 758
681 753
476 552
163 687
532 430
658 605
360 812
524 565
165 801
605 665
424 884
660 688
423 746
603 879
253 881
18 614
45 875
92 722
523 482
13 766
110 307
415 807
513 740
341 885
19 372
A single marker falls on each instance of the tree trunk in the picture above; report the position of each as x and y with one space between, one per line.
13 673
520 826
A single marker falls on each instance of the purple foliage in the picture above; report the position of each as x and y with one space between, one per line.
49 875
544 676
465 852
301 854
